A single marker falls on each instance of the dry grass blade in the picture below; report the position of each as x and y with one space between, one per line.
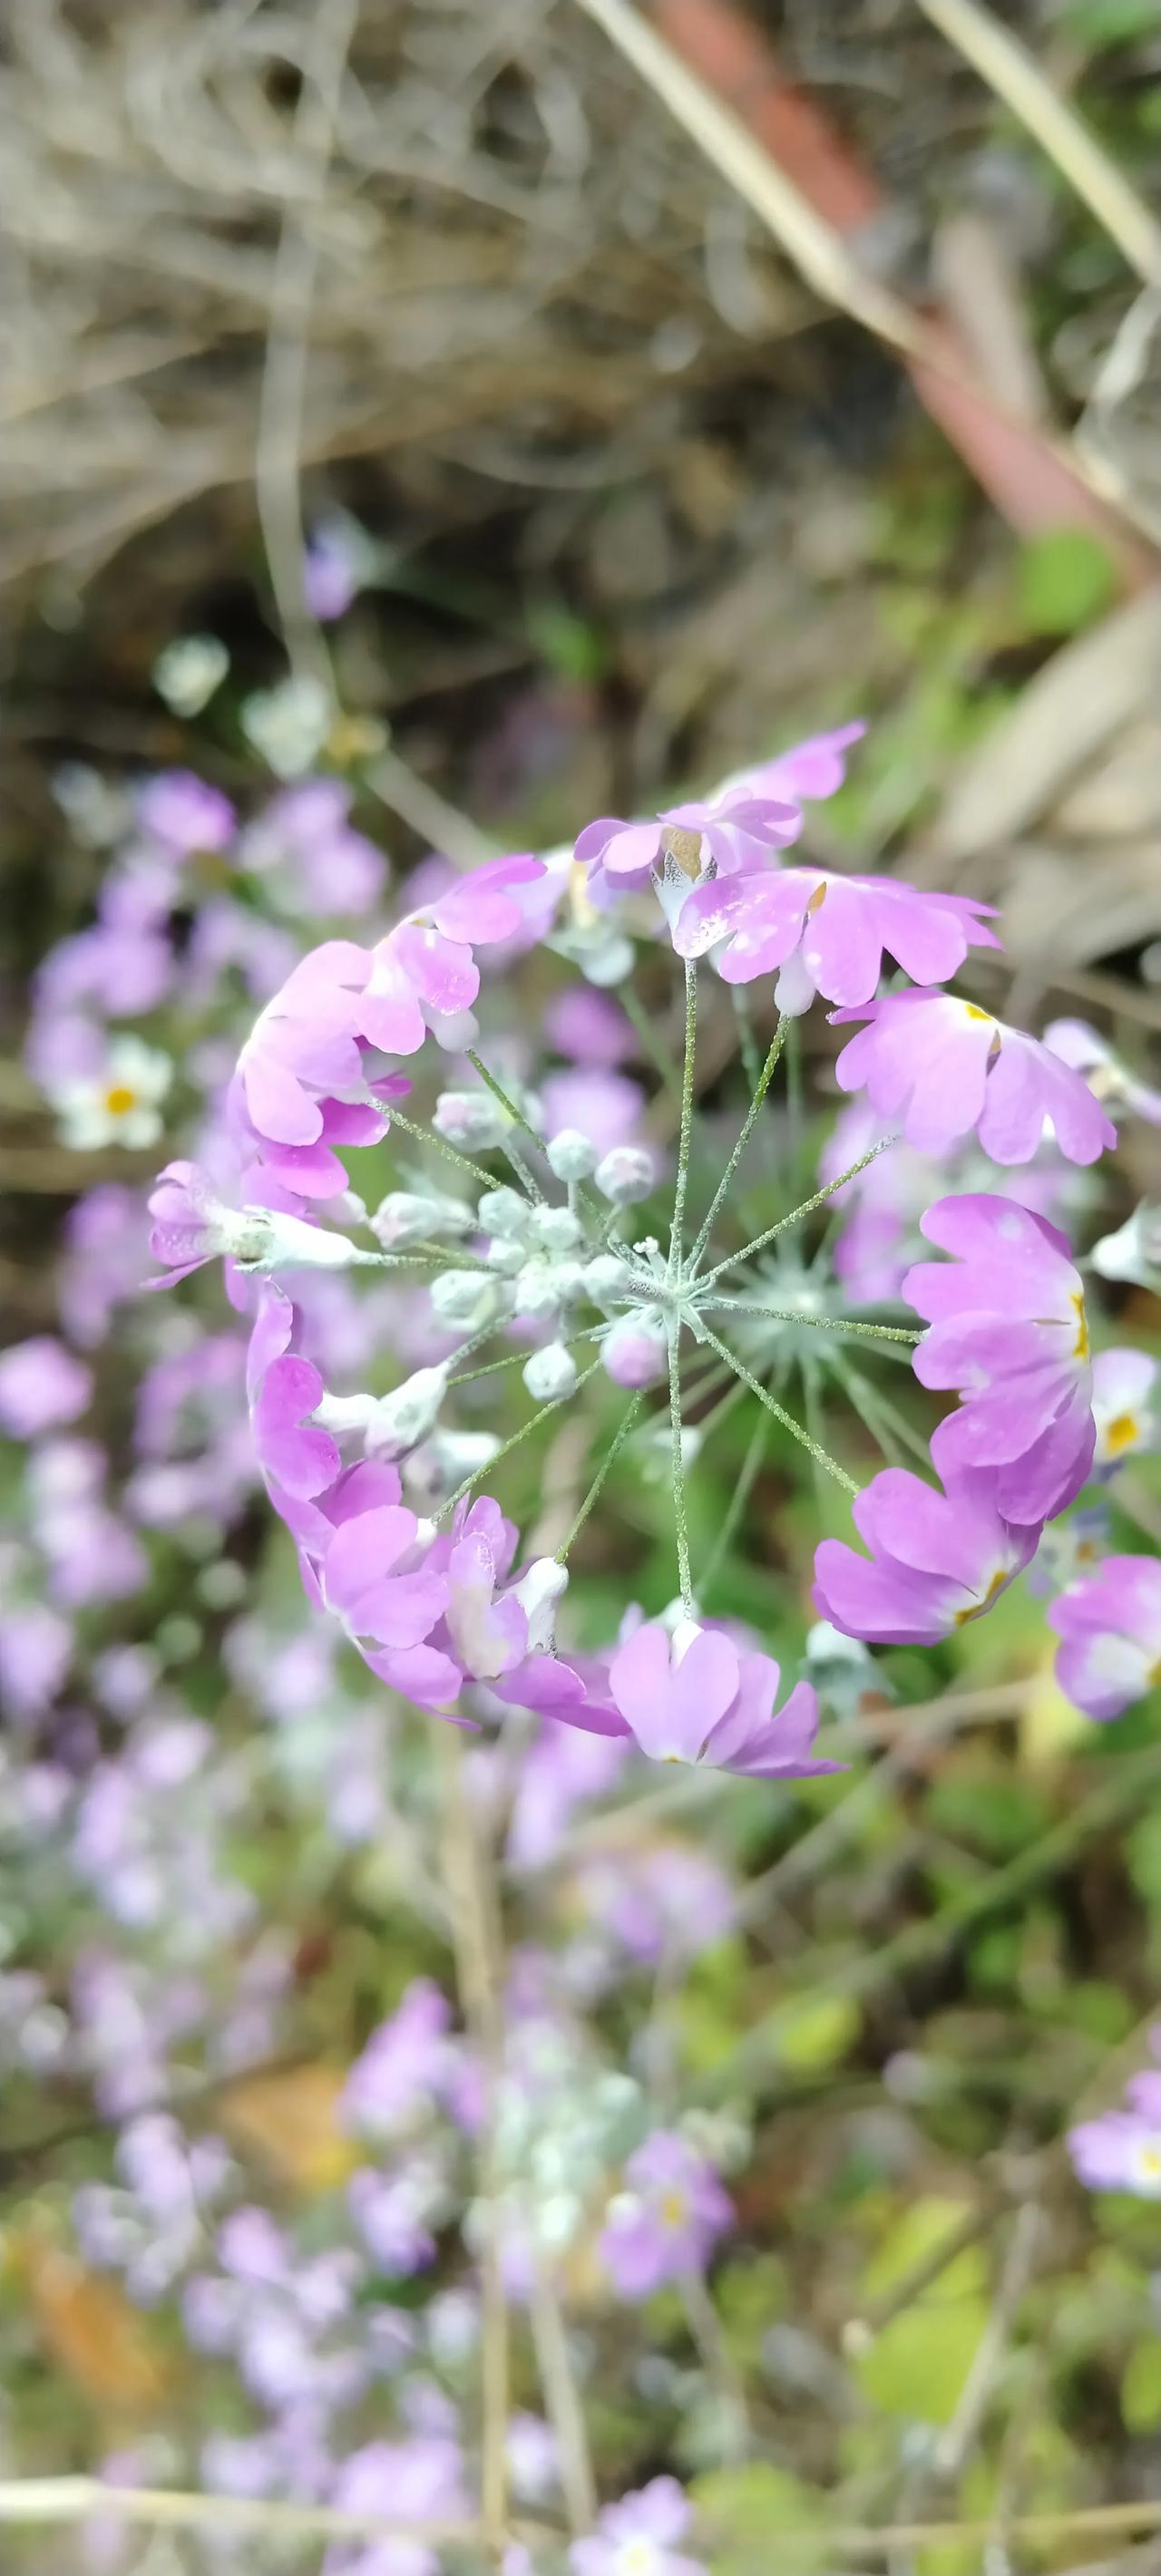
1015 77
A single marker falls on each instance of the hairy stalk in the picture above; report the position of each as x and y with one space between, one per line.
869 1399
519 1359
750 1468
780 1415
664 1065
518 1118
680 1521
747 1042
451 1153
749 1122
532 1424
478 1943
617 1443
686 1135
819 1199
814 1323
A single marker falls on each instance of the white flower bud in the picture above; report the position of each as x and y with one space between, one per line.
504 1255
503 1211
465 1300
556 1230
470 1118
625 1174
274 1241
1134 1252
570 1155
550 1373
606 1278
404 1418
414 1216
541 1586
543 1287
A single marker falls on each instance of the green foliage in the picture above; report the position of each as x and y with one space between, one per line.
1064 580
1141 2388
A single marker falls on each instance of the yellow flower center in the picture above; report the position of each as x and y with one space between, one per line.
978 1608
673 2209
119 1099
817 899
1121 1433
974 1013
1080 1346
1150 2161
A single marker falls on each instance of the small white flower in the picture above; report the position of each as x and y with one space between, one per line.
188 671
120 1104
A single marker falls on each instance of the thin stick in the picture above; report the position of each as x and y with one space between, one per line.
686 1133
808 1205
565 2411
67 2500
400 788
1011 72
680 1520
745 1132
878 1408
518 1118
787 1420
617 1443
282 398
477 1938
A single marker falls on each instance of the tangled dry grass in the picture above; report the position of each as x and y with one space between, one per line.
489 236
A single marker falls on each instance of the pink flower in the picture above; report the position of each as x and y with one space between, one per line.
808 771
828 933
296 1457
315 860
1111 1080
41 1384
736 830
406 2067
636 2537
668 2218
1109 1625
693 1698
303 1047
185 813
1121 2151
362 1558
942 1066
424 971
936 1562
1010 1333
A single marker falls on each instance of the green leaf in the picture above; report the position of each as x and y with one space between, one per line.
1064 579
1097 23
1141 2388
818 2032
918 2365
743 2507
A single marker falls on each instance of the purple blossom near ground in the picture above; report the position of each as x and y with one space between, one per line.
321 1685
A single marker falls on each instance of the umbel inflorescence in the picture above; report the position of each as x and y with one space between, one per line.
533 1232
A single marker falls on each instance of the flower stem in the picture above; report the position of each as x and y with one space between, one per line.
680 1521
821 1455
659 1056
686 1135
451 1153
739 1498
616 1444
761 1088
837 1324
518 1118
532 1424
819 1199
895 1432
